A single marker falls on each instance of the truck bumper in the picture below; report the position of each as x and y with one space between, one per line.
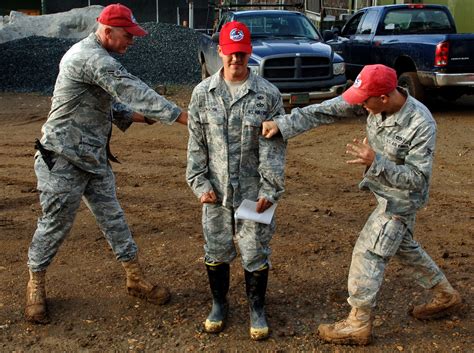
437 79
305 98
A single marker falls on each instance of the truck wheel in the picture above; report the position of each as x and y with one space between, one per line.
410 81
204 72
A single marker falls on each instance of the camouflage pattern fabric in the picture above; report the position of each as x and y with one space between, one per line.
227 154
61 190
80 120
303 119
403 143
92 91
220 231
382 238
399 177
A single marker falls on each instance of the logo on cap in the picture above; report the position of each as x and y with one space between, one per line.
134 20
357 82
236 35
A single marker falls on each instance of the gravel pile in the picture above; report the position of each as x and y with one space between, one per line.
167 55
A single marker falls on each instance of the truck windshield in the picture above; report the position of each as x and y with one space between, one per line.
279 25
416 21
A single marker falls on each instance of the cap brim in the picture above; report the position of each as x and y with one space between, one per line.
236 48
136 31
354 96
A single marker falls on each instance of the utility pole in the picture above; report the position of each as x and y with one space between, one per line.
157 12
191 14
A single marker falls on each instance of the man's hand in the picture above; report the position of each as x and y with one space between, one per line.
208 197
262 205
183 118
362 151
269 129
140 118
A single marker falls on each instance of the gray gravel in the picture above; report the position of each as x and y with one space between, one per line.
167 55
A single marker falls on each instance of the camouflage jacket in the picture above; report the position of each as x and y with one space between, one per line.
80 120
404 146
226 151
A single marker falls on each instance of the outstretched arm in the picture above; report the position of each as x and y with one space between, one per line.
303 119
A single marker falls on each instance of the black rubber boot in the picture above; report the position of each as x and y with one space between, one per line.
256 286
219 282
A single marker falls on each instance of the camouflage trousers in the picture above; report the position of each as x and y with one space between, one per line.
253 239
61 191
382 238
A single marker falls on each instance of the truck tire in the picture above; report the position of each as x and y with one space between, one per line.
204 72
410 81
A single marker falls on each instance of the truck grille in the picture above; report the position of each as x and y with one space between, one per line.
297 68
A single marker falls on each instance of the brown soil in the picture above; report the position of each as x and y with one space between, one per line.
318 222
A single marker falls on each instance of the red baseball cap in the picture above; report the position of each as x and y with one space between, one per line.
235 37
118 15
373 81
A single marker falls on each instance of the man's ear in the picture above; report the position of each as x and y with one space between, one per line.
107 31
385 98
219 51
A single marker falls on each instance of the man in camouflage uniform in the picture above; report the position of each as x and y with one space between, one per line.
72 161
229 161
398 156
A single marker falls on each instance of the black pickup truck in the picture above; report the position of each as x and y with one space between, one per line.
418 41
288 51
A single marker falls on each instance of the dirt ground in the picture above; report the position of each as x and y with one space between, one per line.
318 222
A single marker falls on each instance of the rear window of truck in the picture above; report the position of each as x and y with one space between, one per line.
416 21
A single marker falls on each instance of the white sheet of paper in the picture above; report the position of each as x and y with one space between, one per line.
247 211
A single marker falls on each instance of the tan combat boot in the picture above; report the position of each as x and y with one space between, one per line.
445 300
138 286
356 329
35 309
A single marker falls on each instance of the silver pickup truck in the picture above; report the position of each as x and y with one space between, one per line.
288 51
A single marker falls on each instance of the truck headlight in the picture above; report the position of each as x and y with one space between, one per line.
255 69
338 68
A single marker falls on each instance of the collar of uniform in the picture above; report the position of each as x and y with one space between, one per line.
399 118
402 116
217 79
95 38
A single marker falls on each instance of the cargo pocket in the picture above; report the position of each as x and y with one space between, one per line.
90 149
251 130
396 152
59 179
389 237
212 121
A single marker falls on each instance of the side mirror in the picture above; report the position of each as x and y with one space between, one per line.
328 35
215 38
